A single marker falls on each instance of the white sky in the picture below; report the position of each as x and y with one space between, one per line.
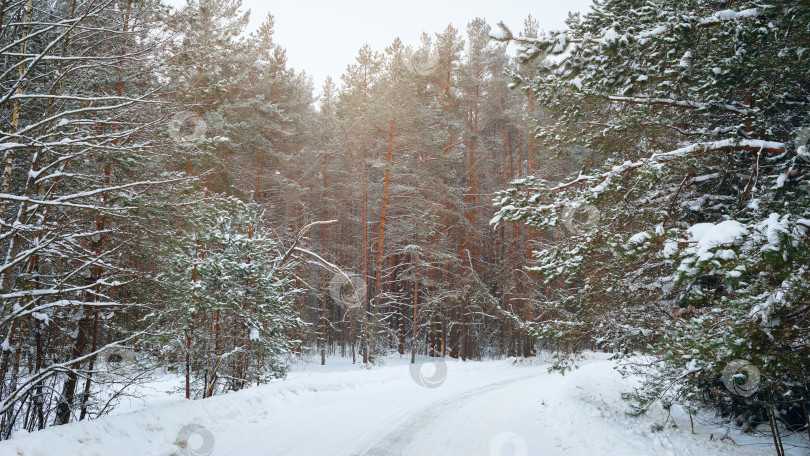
323 36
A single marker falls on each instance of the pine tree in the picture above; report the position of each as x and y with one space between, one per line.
231 299
696 109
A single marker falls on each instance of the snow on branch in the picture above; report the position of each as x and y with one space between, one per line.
561 39
675 103
726 145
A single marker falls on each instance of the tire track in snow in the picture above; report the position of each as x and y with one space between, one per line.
398 440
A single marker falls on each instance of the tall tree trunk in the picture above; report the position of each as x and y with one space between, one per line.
258 177
530 150
324 213
65 404
415 340
381 234
503 139
364 216
93 345
15 110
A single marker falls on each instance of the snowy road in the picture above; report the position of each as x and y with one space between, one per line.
458 417
495 408
451 418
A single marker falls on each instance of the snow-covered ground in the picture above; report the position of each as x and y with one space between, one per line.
508 407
